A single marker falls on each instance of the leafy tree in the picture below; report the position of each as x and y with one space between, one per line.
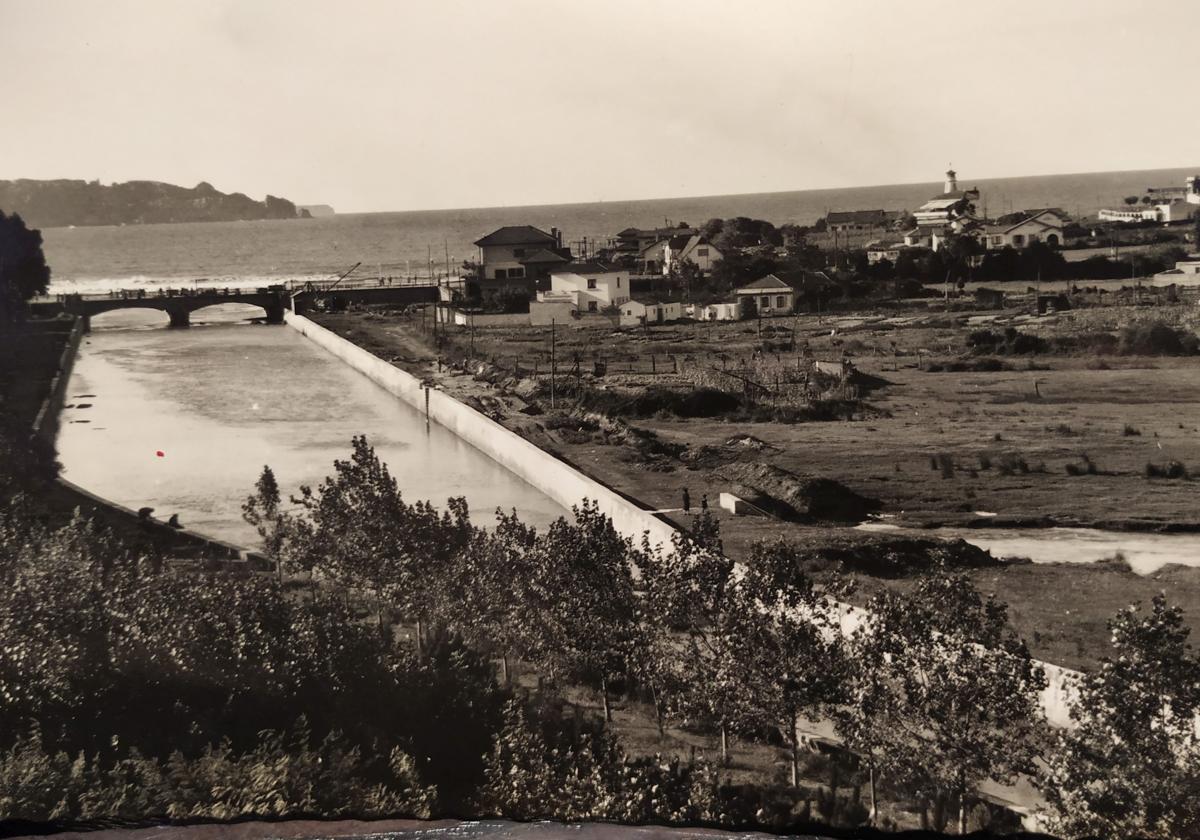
1131 200
262 511
792 646
696 591
582 603
539 769
953 694
366 537
486 590
23 269
1130 767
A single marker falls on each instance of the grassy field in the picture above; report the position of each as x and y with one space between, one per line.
932 447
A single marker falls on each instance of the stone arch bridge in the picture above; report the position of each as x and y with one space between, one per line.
179 304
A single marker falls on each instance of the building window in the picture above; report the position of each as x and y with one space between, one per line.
592 307
516 272
701 252
501 273
1018 239
618 282
779 301
518 252
997 240
766 302
591 282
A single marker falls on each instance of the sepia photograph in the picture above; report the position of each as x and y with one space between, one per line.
599 419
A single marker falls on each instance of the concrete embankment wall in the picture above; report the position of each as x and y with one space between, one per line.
45 425
556 479
559 480
565 484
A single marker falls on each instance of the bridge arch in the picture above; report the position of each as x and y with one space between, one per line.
129 317
234 311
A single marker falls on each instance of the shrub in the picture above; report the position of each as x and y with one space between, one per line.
1171 469
1130 431
1157 339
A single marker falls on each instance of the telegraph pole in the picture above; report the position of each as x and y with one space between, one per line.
553 369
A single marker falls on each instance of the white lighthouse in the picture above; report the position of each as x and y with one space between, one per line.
951 181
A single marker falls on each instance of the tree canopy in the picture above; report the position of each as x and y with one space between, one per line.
23 269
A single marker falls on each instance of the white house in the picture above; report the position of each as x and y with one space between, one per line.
637 312
725 310
666 254
952 205
770 296
1032 226
880 251
1171 211
591 286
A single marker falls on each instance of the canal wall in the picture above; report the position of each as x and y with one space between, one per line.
553 477
45 424
566 485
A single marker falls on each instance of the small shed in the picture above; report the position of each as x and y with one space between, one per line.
1051 303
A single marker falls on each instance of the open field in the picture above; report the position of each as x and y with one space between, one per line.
931 447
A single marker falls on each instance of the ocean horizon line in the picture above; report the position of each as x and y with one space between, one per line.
710 196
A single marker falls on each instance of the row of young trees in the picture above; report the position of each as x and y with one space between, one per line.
130 690
933 689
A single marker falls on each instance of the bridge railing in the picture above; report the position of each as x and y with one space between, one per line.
292 286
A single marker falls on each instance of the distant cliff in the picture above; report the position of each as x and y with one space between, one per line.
61 203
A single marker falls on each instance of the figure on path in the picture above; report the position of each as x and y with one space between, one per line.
687 501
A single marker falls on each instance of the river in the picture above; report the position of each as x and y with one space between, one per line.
224 398
1145 553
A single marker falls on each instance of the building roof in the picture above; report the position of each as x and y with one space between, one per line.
857 217
1006 226
678 243
771 281
586 268
544 256
517 235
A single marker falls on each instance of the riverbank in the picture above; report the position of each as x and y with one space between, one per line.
885 458
36 359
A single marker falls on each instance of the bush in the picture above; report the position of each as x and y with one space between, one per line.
1157 339
1130 431
1171 469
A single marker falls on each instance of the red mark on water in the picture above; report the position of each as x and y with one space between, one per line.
159 453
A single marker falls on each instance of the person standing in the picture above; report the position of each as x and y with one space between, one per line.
687 501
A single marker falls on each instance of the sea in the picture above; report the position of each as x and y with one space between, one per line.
436 242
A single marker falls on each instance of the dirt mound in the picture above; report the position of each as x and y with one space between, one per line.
794 497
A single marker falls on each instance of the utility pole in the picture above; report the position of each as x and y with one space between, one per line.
553 368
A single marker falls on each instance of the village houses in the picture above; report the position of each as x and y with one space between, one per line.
516 257
589 286
783 293
951 212
642 311
1018 230
667 255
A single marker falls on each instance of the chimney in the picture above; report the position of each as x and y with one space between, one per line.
557 234
951 181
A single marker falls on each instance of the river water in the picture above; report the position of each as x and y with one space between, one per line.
1144 552
224 398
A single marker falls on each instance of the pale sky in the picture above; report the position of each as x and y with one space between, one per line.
415 105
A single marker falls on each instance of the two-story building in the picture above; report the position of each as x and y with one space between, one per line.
1019 230
667 255
591 286
514 257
